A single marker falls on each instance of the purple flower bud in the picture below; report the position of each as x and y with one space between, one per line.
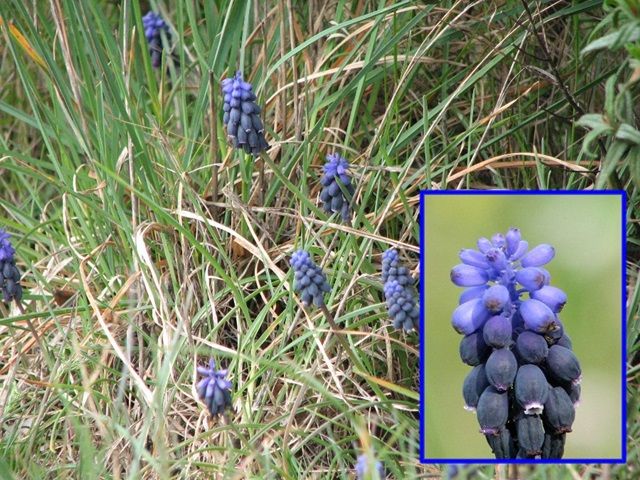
497 331
498 241
521 249
531 347
501 369
531 278
492 411
559 412
471 293
552 297
474 384
496 298
468 276
473 349
563 364
537 316
512 238
473 258
496 259
469 316
565 341
484 245
531 389
538 256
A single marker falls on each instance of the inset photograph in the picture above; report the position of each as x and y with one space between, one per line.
522 354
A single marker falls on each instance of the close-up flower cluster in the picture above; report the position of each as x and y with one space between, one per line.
366 471
242 115
9 273
525 380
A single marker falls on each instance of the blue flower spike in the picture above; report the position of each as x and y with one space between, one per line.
242 116
214 389
154 26
525 382
9 273
399 292
309 279
335 182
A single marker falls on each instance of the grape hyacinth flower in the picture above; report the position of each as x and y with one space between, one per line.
335 179
363 470
399 292
401 305
9 273
524 385
242 116
214 390
310 280
154 25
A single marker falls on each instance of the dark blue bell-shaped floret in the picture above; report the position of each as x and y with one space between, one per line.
309 279
492 411
530 434
573 390
531 347
214 389
565 341
473 349
497 331
501 369
242 116
563 364
531 389
553 446
559 412
474 384
502 444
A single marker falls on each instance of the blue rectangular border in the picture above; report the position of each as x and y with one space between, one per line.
623 275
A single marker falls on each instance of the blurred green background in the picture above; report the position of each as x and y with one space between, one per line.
585 231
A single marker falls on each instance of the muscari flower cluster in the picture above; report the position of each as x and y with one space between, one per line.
525 381
399 292
214 389
363 470
309 279
336 179
154 25
9 273
242 115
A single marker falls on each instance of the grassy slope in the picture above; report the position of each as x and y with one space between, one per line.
107 182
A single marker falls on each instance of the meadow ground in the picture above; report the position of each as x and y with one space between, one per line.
147 245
